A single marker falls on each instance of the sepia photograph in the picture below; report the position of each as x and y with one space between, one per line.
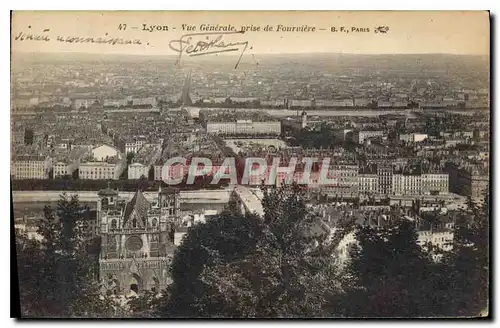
250 164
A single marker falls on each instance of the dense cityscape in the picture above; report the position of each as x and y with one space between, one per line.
407 144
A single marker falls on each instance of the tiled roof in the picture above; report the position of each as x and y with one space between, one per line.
317 228
140 204
31 158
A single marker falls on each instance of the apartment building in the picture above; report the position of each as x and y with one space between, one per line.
435 183
101 170
60 169
347 181
137 171
31 167
424 184
368 184
403 184
359 137
468 180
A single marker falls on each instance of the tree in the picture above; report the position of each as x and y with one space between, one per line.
468 262
151 173
143 306
297 242
57 274
30 280
130 157
220 240
389 274
246 266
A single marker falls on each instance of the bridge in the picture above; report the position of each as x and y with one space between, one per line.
249 199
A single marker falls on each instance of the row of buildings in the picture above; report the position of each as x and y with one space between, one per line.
100 163
230 122
286 103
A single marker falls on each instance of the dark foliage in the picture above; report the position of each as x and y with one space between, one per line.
281 265
242 266
57 276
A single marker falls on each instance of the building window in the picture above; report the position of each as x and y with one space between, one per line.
134 223
154 223
113 224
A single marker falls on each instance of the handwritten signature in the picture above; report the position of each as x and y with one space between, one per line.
212 43
382 29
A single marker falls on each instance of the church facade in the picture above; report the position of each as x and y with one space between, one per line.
137 240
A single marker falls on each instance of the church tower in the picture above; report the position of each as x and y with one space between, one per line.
108 198
137 242
186 90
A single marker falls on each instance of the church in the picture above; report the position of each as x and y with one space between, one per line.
137 240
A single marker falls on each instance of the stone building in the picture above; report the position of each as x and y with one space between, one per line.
137 240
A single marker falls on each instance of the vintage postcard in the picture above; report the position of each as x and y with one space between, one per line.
252 164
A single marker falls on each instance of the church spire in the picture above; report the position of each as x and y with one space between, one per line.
186 99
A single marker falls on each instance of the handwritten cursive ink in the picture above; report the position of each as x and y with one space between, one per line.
99 40
213 44
31 37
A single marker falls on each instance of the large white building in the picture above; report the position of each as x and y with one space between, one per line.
435 183
175 171
137 171
368 184
101 170
406 184
60 169
134 146
360 136
31 167
442 239
300 103
102 152
424 184
413 137
244 127
131 147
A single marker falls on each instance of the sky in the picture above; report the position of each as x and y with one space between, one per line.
418 32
